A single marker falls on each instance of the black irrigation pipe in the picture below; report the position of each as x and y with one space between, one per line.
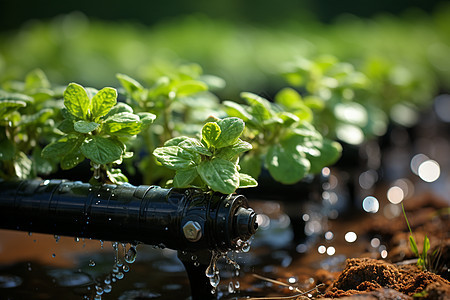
188 220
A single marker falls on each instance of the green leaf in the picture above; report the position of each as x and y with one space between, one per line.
116 176
129 84
230 131
287 167
36 79
246 181
210 133
289 98
23 166
220 175
124 122
413 245
426 246
42 165
260 108
102 150
61 147
184 177
120 107
77 101
190 87
66 126
234 109
194 145
72 159
7 149
85 127
174 157
319 151
39 117
9 106
250 164
231 152
103 101
175 141
146 118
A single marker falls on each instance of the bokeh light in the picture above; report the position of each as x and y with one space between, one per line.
350 237
395 195
370 204
429 171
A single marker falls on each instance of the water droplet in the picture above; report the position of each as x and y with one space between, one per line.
114 279
107 288
237 285
196 263
194 257
126 268
119 275
101 244
107 280
230 288
115 270
246 247
91 263
77 239
130 257
57 237
98 297
99 290
30 233
53 255
29 266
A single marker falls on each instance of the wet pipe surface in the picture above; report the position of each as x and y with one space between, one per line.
377 263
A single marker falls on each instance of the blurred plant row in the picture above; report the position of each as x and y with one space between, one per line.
305 87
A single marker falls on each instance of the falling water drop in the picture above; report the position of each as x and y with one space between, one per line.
126 268
107 288
77 239
91 263
119 275
57 238
130 257
231 287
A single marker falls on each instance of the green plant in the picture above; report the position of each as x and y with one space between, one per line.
180 97
28 112
96 127
339 96
423 260
211 162
287 145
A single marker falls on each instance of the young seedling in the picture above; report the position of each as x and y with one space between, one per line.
179 96
27 113
288 147
340 97
210 162
96 127
422 257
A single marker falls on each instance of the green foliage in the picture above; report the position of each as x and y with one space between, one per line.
210 162
179 95
28 111
283 142
96 127
423 260
341 99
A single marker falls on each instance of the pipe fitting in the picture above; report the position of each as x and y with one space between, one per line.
192 231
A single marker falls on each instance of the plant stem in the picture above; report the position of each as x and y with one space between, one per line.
407 223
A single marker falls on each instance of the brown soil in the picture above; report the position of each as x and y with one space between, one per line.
362 275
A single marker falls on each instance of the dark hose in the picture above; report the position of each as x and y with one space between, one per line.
181 219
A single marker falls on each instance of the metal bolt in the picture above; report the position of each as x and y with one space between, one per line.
192 231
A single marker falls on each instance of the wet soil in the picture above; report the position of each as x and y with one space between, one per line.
358 271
